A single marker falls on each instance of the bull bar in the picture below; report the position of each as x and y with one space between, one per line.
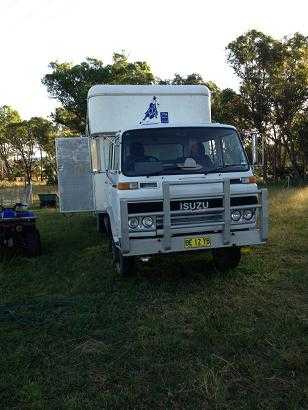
169 242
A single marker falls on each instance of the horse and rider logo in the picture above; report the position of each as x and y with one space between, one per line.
152 113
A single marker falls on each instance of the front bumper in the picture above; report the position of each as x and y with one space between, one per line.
151 246
222 234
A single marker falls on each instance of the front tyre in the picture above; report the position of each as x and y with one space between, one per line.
124 265
31 243
226 258
101 228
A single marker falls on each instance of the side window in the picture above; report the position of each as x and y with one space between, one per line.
116 156
232 153
104 155
110 162
95 154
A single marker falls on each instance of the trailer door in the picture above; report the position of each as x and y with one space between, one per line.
75 182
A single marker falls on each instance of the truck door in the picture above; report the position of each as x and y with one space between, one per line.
99 154
75 182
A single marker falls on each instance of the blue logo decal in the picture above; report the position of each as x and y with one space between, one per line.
164 117
152 111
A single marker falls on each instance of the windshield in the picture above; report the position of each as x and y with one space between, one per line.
200 150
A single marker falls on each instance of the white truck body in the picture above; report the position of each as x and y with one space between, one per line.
112 108
190 203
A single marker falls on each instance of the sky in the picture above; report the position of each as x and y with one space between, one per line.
173 36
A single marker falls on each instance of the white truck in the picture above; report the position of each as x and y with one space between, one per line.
161 177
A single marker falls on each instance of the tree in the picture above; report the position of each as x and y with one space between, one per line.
7 116
289 91
23 141
303 139
274 83
70 84
44 133
230 108
252 55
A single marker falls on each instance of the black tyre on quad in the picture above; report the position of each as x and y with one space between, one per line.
226 258
31 243
124 265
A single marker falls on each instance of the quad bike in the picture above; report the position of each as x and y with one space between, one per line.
18 230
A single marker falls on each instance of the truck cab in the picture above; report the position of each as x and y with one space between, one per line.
167 179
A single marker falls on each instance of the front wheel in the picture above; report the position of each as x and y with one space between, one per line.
124 265
31 243
101 228
226 258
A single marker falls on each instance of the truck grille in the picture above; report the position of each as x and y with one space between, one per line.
179 220
157 206
196 218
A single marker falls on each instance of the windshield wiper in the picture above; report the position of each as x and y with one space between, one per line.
152 174
186 169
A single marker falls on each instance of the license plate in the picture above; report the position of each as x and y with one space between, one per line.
201 242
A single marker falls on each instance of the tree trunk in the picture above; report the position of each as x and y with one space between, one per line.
292 156
41 163
7 169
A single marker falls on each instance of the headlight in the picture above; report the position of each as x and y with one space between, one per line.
133 222
236 215
248 214
147 222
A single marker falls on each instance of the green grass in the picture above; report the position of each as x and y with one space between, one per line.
73 334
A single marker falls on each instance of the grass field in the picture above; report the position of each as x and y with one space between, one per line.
177 335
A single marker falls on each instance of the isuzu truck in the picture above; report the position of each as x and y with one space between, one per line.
161 177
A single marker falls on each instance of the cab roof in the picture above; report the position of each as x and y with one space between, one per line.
106 89
178 125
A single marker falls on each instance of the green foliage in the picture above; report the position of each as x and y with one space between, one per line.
23 140
70 84
7 116
229 108
274 89
43 131
289 88
70 122
20 142
252 56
